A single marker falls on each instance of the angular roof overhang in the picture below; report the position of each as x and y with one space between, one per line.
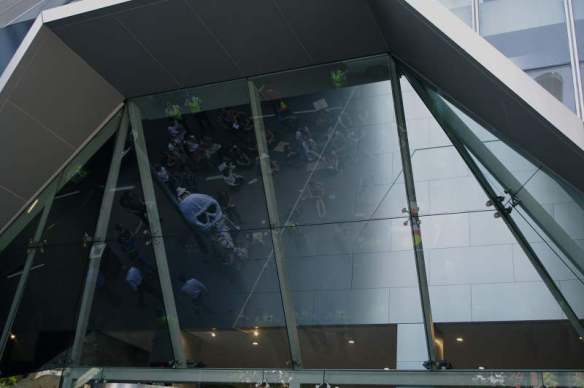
147 46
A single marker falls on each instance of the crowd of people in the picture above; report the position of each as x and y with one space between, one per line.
208 159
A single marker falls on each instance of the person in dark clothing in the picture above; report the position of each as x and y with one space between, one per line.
132 204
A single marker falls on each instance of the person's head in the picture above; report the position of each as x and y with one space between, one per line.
182 193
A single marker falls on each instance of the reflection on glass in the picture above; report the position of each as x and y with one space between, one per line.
45 323
354 287
332 142
209 188
485 294
578 9
533 34
332 136
127 325
12 260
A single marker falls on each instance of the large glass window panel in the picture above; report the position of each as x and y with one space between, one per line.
461 8
47 316
533 34
45 323
210 196
202 140
127 325
355 293
485 294
444 183
332 142
12 260
578 8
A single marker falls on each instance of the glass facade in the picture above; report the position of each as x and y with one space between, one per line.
264 223
534 35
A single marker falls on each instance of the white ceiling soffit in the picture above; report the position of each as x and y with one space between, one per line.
444 50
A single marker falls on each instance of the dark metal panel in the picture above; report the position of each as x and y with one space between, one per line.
30 153
434 56
116 55
254 33
334 30
9 204
183 45
63 93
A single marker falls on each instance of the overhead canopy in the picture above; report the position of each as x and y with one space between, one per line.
131 48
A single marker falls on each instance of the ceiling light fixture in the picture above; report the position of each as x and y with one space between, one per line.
351 342
459 339
255 343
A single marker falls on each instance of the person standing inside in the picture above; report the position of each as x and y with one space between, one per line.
195 290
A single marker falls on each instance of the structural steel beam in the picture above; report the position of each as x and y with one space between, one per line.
99 239
36 244
272 204
534 209
156 234
333 377
448 120
414 219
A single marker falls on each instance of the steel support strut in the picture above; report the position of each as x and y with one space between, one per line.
99 239
414 219
156 234
265 165
435 105
35 244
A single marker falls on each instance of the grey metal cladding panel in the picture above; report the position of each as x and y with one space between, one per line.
21 67
412 39
254 33
102 12
116 55
333 29
183 45
9 206
63 92
30 154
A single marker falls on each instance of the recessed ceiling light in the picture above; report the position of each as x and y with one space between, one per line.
351 341
481 367
459 339
12 336
255 343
